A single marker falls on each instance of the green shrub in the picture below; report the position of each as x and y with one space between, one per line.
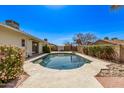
11 63
46 49
101 51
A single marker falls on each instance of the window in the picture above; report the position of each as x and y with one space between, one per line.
23 43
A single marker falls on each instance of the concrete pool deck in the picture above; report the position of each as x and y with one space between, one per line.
83 77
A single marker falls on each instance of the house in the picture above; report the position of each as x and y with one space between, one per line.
10 34
110 42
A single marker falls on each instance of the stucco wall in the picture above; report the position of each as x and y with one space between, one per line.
10 37
80 49
60 48
40 47
122 53
29 47
119 49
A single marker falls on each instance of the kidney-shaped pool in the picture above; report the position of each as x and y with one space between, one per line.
62 61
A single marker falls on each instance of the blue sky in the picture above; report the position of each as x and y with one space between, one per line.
60 23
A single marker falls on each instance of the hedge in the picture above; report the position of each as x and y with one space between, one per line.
11 63
106 52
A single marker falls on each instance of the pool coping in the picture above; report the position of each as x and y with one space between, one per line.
70 52
90 58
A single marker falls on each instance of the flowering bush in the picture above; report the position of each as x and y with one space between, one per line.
11 63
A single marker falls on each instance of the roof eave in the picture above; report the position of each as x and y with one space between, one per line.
22 32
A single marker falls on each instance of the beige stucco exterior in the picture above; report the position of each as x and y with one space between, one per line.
11 36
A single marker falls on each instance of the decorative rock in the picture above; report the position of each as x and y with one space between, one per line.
114 70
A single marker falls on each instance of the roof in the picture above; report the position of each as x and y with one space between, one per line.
22 32
115 42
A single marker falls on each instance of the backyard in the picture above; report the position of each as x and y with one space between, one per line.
95 74
62 46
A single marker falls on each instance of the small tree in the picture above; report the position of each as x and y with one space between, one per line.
114 38
84 39
106 38
45 39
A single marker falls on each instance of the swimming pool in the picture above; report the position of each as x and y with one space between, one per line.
62 61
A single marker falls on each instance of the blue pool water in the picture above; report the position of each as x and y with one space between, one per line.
62 61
